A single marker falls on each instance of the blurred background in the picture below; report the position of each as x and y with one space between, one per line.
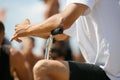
21 57
16 11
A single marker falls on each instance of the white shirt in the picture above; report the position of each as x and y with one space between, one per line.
98 34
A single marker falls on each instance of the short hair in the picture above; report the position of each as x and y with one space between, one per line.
2 28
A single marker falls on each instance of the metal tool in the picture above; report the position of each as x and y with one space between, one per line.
50 41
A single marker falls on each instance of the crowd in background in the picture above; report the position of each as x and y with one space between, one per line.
18 64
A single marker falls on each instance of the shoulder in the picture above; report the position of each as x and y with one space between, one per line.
16 57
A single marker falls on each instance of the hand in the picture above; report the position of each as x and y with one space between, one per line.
61 37
21 30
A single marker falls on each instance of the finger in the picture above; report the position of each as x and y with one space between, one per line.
13 38
18 40
17 25
18 28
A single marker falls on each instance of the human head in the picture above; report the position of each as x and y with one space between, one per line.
61 50
2 29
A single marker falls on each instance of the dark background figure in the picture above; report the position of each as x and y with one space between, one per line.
6 41
61 50
12 63
4 58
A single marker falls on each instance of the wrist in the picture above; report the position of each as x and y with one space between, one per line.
29 30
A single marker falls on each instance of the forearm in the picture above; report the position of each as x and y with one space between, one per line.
45 27
60 37
64 19
44 35
71 13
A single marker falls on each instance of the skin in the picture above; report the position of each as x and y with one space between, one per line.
17 62
52 7
28 45
19 67
64 19
1 37
49 69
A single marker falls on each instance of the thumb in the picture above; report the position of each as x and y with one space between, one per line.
26 21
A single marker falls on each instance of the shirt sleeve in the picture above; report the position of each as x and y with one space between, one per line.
89 3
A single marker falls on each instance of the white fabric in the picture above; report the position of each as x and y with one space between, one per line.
98 34
89 3
71 30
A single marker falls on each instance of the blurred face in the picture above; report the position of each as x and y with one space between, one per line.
1 37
